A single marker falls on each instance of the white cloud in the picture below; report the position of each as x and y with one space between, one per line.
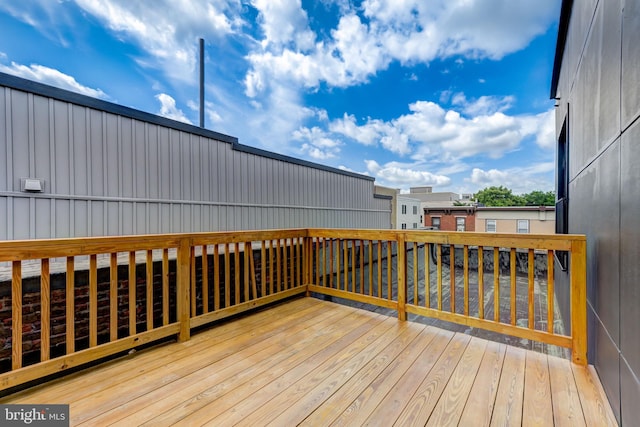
284 23
403 175
409 31
168 31
169 110
546 130
537 176
429 130
52 77
484 105
317 143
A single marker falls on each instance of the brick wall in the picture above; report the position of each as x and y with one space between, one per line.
448 220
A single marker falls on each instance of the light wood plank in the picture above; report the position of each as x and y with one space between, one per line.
510 390
93 301
84 383
223 374
349 399
113 297
451 404
537 408
480 404
274 396
596 408
567 410
409 410
299 408
400 379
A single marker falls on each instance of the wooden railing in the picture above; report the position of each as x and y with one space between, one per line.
113 294
429 274
73 301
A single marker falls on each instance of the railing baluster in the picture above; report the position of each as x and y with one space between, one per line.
531 271
331 263
496 284
415 273
236 273
345 253
45 309
246 271
550 293
216 277
205 280
370 267
70 340
16 315
93 300
427 275
362 267
192 270
285 264
113 296
149 290
452 274
402 278
379 269
227 275
183 266
480 283
389 270
252 268
132 293
165 287
270 267
439 276
465 274
263 267
278 265
512 263
298 261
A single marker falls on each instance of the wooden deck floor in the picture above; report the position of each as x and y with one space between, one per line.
312 362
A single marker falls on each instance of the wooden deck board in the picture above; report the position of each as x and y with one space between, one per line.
313 363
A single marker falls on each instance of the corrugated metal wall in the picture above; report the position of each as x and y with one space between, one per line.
109 170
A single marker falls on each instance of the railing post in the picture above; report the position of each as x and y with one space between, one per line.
182 289
402 278
578 280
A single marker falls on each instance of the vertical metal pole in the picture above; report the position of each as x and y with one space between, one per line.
202 83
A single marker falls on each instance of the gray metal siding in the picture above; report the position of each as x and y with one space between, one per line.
109 174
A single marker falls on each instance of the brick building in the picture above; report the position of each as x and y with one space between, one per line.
451 218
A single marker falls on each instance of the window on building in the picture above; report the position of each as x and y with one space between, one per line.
415 210
460 222
404 226
404 209
435 222
523 226
415 225
490 226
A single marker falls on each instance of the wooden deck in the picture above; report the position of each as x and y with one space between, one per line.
312 362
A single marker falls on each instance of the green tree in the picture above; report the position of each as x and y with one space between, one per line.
498 196
540 198
503 196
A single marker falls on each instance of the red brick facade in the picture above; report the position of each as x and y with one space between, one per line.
449 217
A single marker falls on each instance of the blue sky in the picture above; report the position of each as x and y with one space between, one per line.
448 93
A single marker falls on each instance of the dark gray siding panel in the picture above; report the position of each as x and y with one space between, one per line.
630 63
598 89
630 247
